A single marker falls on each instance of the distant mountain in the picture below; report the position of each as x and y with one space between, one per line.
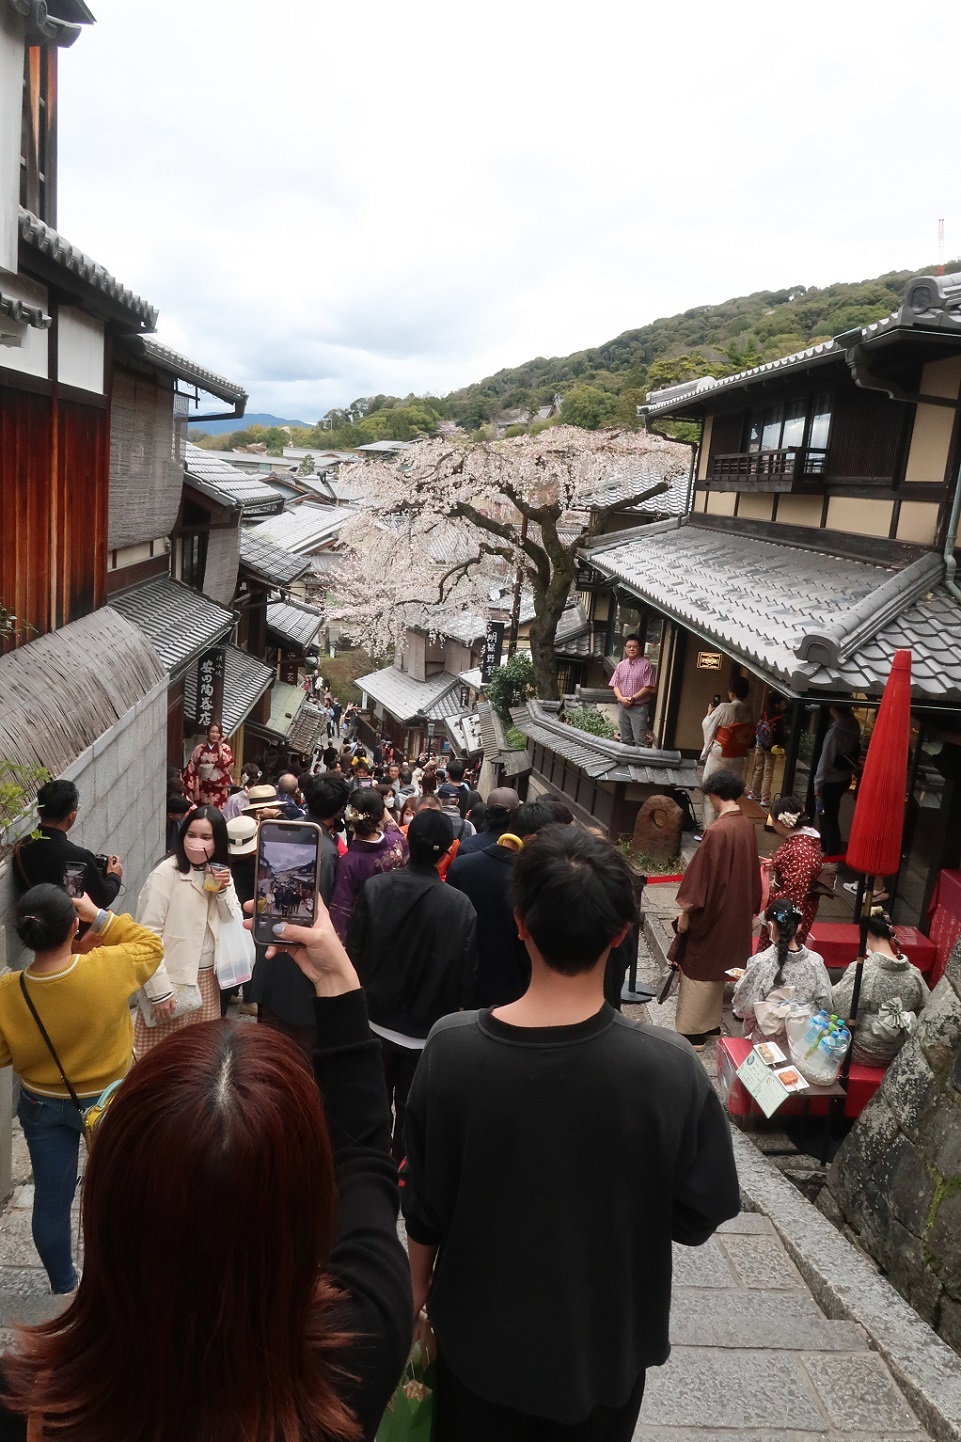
219 428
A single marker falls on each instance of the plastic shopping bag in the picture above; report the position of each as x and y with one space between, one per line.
410 1412
235 954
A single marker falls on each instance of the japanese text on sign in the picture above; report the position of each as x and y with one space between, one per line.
493 645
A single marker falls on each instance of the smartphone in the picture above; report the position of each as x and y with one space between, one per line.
288 876
74 873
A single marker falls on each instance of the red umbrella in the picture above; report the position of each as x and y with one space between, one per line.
874 847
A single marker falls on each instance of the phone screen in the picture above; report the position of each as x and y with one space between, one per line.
74 873
288 876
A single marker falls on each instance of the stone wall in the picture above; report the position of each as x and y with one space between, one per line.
895 1184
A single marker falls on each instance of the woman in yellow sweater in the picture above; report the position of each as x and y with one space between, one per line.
82 997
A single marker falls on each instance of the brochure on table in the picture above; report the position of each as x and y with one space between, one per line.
762 1083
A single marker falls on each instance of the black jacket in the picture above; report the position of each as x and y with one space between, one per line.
279 984
503 966
414 943
45 859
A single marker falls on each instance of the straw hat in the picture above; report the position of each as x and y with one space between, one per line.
241 835
259 797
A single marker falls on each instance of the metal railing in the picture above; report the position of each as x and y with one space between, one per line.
770 470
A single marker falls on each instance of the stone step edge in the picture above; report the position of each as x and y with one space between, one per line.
847 1288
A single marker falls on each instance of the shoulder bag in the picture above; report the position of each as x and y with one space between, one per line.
90 1114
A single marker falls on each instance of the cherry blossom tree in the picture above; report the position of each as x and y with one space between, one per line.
451 521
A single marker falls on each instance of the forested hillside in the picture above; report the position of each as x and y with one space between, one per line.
603 385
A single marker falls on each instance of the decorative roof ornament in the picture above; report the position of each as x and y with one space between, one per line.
44 27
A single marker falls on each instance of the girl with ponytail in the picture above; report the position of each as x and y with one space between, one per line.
784 975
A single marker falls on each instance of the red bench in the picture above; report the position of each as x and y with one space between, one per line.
838 943
863 1082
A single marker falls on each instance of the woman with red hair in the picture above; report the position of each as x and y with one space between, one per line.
242 1272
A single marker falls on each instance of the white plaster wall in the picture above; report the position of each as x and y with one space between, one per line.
80 341
32 356
11 92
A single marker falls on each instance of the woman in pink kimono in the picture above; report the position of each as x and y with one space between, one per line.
207 778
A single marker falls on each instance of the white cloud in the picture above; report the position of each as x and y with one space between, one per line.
332 202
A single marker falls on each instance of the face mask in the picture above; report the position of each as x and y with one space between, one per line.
196 851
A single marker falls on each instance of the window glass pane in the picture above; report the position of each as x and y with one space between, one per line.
771 429
820 422
628 621
653 637
754 432
795 413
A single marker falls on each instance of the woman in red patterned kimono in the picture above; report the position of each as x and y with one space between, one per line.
207 778
795 865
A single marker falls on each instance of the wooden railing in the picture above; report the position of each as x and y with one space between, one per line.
767 470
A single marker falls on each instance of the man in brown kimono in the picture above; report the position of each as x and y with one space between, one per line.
719 898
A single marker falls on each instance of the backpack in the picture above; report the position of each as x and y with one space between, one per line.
735 740
766 733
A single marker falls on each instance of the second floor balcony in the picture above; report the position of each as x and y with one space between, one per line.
779 470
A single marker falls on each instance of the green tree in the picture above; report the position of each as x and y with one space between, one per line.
511 685
588 407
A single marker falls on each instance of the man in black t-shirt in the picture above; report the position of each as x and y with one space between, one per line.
46 858
555 1151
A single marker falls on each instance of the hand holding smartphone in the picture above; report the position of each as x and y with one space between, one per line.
74 875
287 879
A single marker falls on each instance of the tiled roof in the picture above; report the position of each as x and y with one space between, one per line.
178 365
245 681
180 623
599 758
494 741
406 698
464 732
18 310
42 237
42 27
677 397
272 563
294 622
309 725
305 527
808 619
671 502
229 486
577 636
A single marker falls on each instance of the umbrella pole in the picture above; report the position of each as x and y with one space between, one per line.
866 908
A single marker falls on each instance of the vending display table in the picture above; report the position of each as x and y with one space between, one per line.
863 1082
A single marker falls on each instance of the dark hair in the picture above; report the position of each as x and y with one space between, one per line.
477 815
56 800
740 686
406 775
370 808
632 637
428 783
215 816
533 816
250 770
574 892
724 784
881 926
179 804
455 770
326 796
793 806
304 780
46 917
559 810
430 836
787 918
216 1138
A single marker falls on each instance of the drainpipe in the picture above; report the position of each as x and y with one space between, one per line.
864 377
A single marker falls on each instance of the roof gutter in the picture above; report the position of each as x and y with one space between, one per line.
864 377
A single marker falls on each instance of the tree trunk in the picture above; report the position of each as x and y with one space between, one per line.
549 603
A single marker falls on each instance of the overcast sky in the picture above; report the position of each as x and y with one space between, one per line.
328 201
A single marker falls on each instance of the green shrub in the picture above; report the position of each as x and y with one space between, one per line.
511 685
586 718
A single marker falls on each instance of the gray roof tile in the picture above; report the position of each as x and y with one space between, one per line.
180 623
230 486
304 528
406 698
36 233
178 365
808 619
602 759
269 561
294 622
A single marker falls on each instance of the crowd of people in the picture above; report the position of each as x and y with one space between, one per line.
452 1011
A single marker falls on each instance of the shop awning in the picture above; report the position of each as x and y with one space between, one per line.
245 681
810 621
296 625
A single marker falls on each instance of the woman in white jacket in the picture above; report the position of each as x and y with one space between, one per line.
186 900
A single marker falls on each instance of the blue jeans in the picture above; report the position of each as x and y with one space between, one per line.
52 1130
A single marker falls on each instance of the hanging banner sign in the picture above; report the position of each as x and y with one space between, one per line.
493 646
210 687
